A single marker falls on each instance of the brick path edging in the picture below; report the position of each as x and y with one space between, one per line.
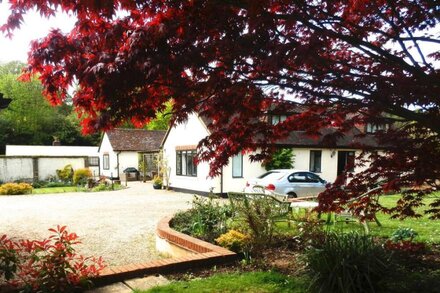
207 254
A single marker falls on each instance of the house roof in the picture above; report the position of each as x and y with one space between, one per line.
353 138
124 139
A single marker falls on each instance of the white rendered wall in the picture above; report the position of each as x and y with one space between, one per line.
12 169
329 161
47 166
106 148
250 170
51 151
15 168
128 159
188 134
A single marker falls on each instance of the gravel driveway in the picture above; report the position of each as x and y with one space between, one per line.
117 225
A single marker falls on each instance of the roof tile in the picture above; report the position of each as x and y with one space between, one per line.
125 139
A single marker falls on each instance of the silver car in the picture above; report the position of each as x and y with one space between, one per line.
293 183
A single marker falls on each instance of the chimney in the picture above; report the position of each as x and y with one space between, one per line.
56 141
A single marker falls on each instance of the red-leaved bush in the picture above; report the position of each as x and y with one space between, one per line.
50 265
405 246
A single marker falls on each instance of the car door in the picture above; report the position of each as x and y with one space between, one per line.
317 185
299 184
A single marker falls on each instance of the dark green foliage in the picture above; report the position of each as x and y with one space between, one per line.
44 184
281 159
30 119
348 263
403 280
206 219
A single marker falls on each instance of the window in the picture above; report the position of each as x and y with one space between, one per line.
275 119
106 162
237 166
372 128
149 162
298 177
93 161
346 161
315 161
185 163
313 178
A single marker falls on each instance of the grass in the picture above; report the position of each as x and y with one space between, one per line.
266 282
428 230
63 189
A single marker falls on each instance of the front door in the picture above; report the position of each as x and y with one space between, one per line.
345 161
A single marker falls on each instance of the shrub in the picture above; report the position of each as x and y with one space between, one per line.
15 188
206 219
157 180
234 240
257 218
347 263
81 176
50 265
403 240
403 234
65 174
105 187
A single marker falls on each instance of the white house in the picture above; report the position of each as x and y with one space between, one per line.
120 148
180 144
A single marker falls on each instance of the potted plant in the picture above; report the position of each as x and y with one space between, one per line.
157 182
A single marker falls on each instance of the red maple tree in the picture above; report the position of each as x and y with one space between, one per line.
350 61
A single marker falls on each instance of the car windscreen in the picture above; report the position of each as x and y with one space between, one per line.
272 175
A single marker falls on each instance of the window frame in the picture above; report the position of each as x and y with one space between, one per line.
236 157
92 159
375 127
313 154
106 162
187 167
277 118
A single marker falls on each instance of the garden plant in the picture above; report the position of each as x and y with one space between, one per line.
48 265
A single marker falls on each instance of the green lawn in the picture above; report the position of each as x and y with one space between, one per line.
56 189
237 282
428 230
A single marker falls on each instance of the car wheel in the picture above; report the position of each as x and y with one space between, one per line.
291 195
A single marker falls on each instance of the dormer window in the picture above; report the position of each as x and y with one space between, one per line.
275 119
372 127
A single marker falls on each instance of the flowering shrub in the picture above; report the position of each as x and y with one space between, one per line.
80 176
234 240
50 265
15 188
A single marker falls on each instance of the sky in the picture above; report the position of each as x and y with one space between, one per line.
34 27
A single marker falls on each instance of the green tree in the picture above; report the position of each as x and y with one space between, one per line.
281 159
30 119
162 120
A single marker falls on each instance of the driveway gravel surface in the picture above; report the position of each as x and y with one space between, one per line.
117 225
